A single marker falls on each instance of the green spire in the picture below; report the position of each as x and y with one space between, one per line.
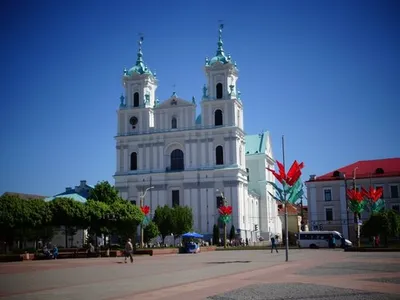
139 59
139 67
220 55
220 50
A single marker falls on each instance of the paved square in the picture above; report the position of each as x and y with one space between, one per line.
205 275
300 291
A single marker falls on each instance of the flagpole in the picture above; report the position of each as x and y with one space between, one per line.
285 203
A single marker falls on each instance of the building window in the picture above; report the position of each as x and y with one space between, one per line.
396 208
136 99
219 155
327 194
133 161
329 214
380 187
174 123
248 174
394 191
177 163
175 198
218 117
219 90
220 201
133 202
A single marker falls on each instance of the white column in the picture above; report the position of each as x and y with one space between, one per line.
154 159
211 154
234 147
186 197
118 159
187 155
161 158
227 154
225 114
141 159
192 157
203 154
210 116
126 163
203 217
148 155
194 206
125 118
211 209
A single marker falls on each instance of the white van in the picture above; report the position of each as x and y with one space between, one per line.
319 239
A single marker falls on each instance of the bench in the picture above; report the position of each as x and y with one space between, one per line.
143 252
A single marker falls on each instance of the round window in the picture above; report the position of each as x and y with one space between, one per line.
133 121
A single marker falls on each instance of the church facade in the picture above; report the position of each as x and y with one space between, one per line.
195 161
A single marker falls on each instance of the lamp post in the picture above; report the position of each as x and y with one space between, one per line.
356 216
285 204
141 204
343 176
225 204
110 218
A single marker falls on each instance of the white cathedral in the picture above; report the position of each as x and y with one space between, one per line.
195 161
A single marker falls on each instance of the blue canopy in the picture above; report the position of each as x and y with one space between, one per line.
192 235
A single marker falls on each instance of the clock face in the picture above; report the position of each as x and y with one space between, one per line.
133 121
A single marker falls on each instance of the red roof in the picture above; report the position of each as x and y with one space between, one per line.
388 167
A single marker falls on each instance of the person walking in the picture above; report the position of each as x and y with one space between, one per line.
273 244
128 250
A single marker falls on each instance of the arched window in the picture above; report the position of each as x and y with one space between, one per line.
174 123
136 99
133 161
177 162
219 155
218 117
219 90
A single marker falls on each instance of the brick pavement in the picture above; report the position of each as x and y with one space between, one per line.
196 276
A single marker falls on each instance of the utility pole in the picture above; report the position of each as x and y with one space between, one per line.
301 214
356 216
225 204
285 203
348 207
141 205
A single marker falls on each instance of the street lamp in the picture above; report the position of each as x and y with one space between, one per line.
225 204
142 196
343 176
109 218
356 216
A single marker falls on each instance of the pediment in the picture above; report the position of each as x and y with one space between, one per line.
175 102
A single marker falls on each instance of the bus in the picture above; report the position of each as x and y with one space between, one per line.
319 239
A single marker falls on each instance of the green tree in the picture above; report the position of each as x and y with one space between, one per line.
232 233
70 214
216 234
104 192
150 232
97 213
128 217
163 219
38 222
385 224
182 220
12 218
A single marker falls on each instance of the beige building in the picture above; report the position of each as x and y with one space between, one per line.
327 201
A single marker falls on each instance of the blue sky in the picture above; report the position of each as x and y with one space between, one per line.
326 74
